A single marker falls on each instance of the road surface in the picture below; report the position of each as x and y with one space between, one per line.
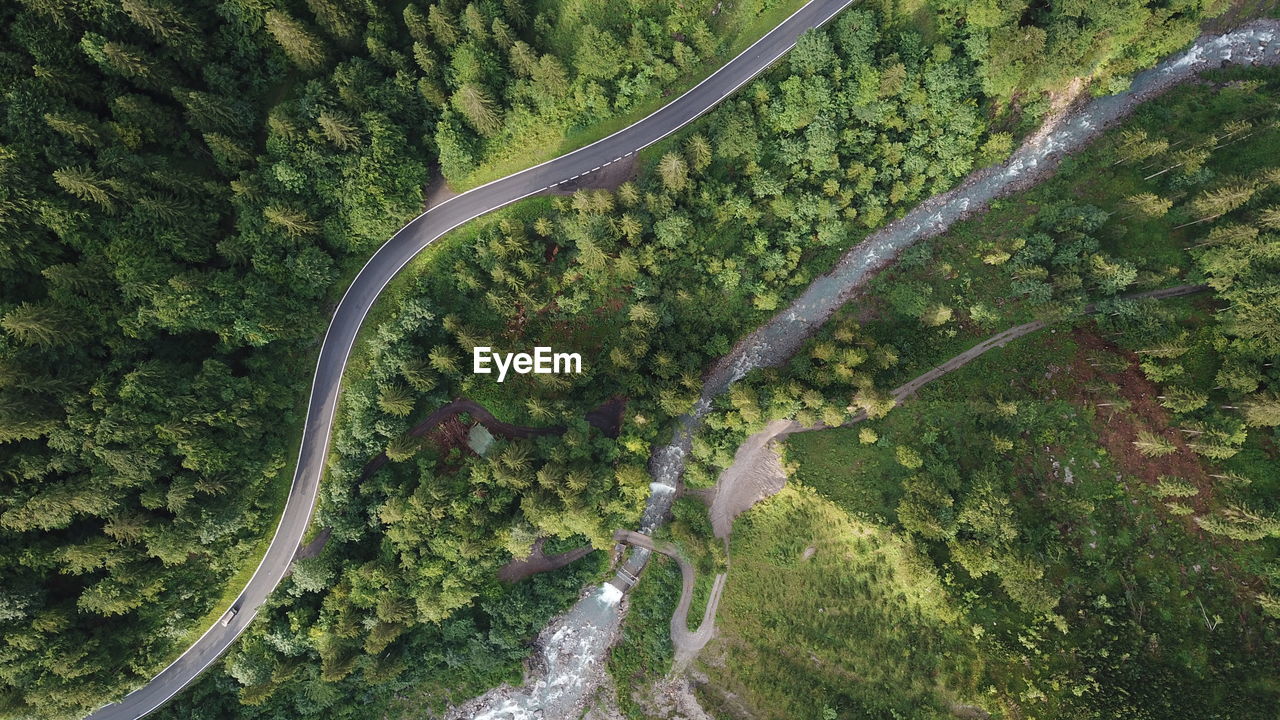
1257 43
369 283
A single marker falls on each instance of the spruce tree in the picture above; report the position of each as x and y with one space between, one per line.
475 104
302 47
673 171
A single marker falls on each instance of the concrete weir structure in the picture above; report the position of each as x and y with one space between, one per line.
1257 43
573 653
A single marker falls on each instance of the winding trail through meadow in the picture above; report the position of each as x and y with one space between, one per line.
757 473
569 657
686 643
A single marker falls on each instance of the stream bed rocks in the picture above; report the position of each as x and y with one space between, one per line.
574 648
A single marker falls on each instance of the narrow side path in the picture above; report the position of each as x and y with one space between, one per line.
685 643
540 562
773 343
373 278
1254 44
457 407
607 418
757 473
1000 340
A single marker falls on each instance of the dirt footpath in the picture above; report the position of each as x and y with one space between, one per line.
540 562
757 473
685 643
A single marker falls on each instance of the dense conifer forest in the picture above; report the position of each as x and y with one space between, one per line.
1094 535
187 187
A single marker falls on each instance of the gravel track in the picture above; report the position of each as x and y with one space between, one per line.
1256 43
756 472
686 643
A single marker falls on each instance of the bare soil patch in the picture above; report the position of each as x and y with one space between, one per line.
434 421
437 190
1117 431
314 547
608 417
449 434
672 698
756 474
539 562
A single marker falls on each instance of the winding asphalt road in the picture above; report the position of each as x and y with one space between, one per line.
369 283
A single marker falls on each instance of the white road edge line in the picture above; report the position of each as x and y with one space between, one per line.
346 355
702 82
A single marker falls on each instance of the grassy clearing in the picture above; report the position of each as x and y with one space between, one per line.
690 530
1149 616
834 463
1127 573
807 637
862 477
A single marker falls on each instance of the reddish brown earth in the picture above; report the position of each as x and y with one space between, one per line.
608 417
479 413
539 562
1118 430
449 434
445 429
